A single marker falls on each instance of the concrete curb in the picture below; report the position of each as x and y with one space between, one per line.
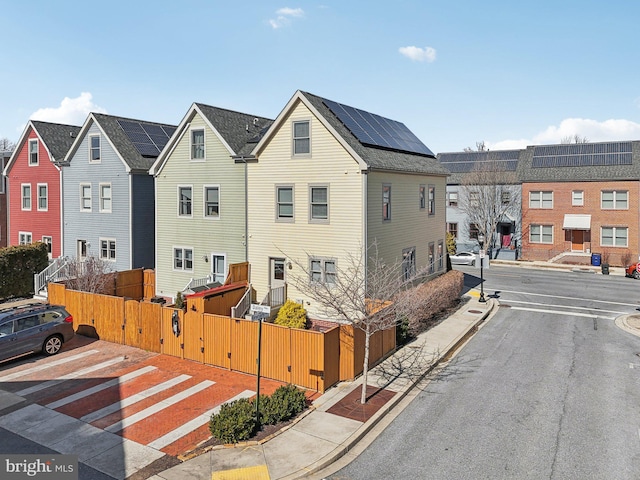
622 323
359 434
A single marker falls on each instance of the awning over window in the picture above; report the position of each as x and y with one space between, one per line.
577 222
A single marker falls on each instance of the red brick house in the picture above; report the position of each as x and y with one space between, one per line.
581 199
34 185
4 158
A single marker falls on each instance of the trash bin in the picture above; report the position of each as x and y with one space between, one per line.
596 258
605 268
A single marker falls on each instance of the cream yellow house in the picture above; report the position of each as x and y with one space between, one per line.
200 198
326 181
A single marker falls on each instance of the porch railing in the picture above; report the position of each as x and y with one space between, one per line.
276 296
241 309
54 272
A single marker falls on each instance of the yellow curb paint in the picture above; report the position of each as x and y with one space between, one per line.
473 293
259 472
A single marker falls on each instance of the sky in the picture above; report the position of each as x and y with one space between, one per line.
510 74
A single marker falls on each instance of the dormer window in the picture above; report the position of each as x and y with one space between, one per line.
94 149
301 138
197 144
33 152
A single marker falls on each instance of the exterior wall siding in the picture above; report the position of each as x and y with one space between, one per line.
91 226
328 164
205 236
562 204
4 201
143 236
38 223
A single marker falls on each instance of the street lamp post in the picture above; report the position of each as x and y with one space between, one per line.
481 243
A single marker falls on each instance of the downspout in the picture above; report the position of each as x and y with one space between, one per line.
246 213
365 228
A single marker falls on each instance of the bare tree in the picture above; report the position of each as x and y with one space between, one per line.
480 147
92 275
574 139
487 195
6 145
363 292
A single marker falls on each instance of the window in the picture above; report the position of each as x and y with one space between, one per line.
24 238
48 241
85 197
185 200
323 271
94 148
284 203
452 199
540 199
408 263
108 249
431 257
301 140
577 198
473 231
541 234
82 246
2 181
33 152
319 203
422 196
43 202
183 259
105 197
505 197
218 268
26 196
432 200
452 228
614 236
440 255
474 199
212 202
614 200
197 144
386 202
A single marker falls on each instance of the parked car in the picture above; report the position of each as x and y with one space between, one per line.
632 271
463 258
34 328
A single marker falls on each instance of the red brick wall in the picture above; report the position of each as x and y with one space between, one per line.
562 204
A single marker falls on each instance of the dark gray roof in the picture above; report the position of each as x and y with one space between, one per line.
584 162
57 137
122 142
461 163
240 130
378 158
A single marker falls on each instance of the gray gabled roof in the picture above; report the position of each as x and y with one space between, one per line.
377 158
462 163
57 137
241 131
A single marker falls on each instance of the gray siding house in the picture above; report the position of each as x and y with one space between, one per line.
108 194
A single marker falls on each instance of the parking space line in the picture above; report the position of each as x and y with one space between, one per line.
39 368
147 412
138 397
102 386
194 424
76 374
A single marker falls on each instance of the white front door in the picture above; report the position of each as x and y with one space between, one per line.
219 267
276 272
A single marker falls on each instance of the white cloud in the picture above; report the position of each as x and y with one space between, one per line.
417 54
595 131
284 17
72 111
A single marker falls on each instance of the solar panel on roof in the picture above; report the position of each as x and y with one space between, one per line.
583 155
377 131
148 139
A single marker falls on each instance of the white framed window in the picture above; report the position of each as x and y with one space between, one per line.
82 246
474 199
108 249
323 270
85 197
105 197
2 180
440 255
408 263
33 152
284 203
541 234
422 196
183 258
301 138
452 228
505 197
212 201
386 202
24 238
48 241
431 257
614 236
319 203
541 199
452 199
432 200
614 200
577 198
185 201
95 152
197 144
219 267
26 196
43 197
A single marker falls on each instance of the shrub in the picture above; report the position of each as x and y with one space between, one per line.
285 403
292 315
18 264
451 244
180 303
235 422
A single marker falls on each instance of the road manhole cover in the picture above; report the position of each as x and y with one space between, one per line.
475 311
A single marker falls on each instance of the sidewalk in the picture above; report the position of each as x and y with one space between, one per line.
337 421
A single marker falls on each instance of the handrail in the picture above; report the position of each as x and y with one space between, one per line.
241 309
49 274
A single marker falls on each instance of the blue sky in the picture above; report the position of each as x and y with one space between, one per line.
508 73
